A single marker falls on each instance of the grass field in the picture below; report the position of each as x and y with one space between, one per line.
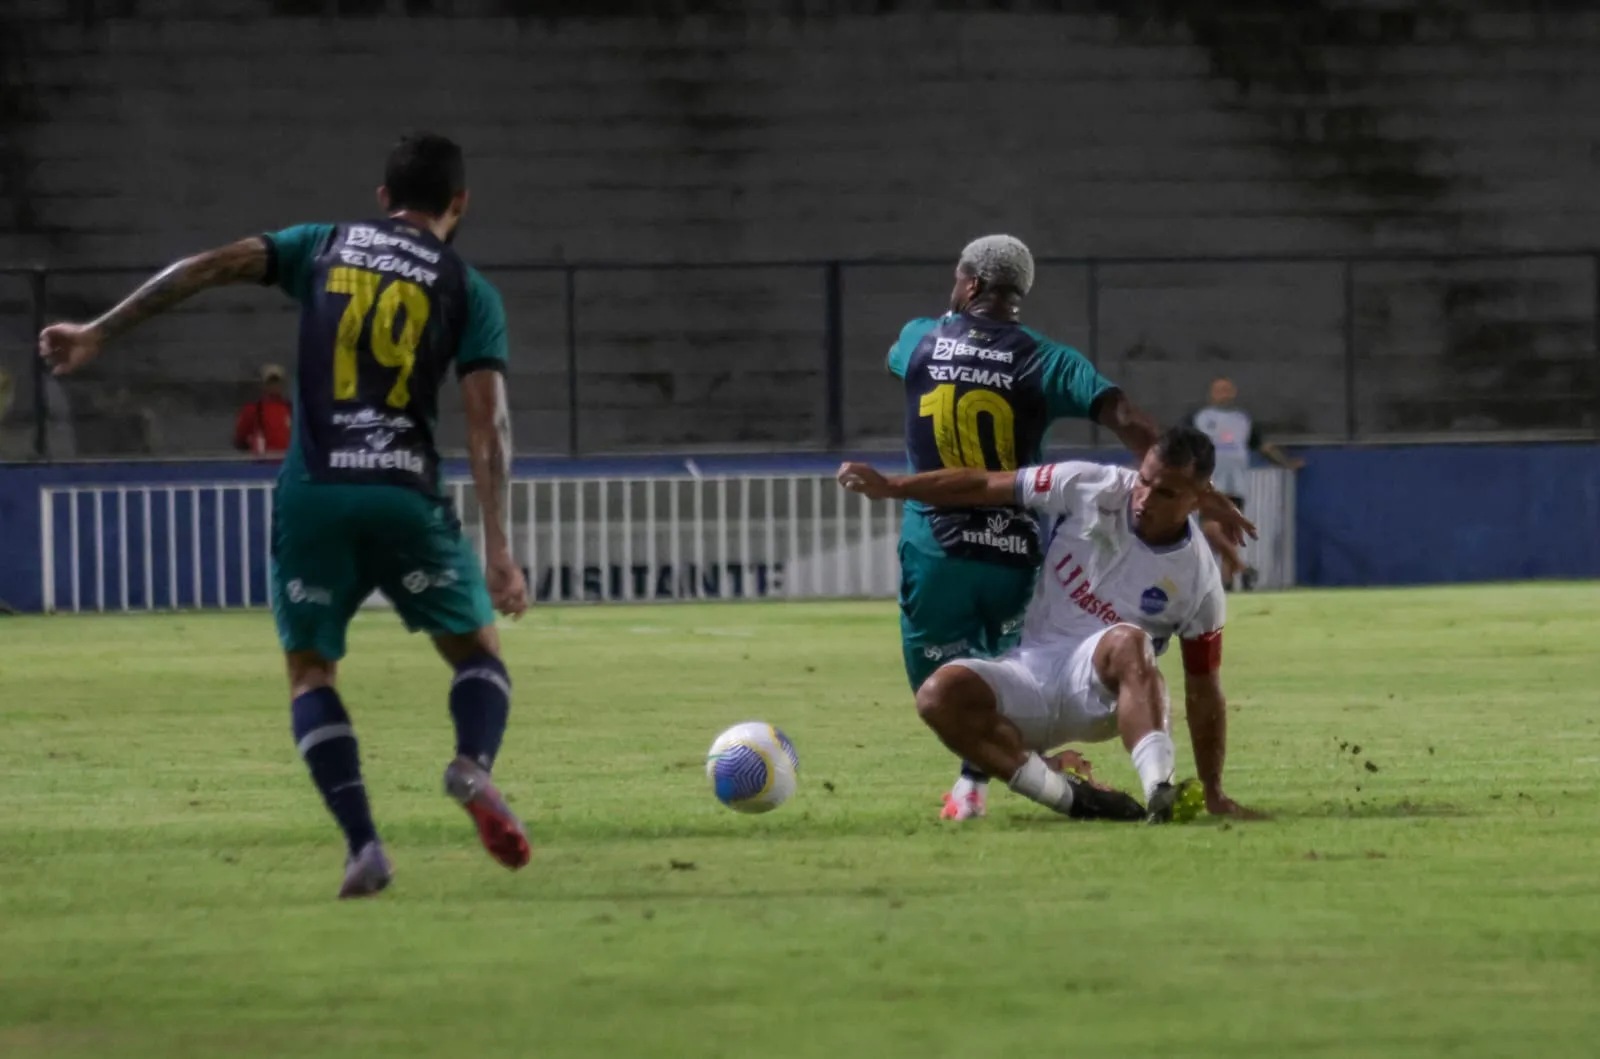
166 871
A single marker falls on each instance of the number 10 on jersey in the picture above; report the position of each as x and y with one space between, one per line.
955 426
388 349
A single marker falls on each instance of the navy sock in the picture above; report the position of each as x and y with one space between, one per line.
327 742
480 704
972 772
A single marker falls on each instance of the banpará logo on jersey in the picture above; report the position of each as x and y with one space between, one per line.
367 418
362 235
994 535
943 651
955 349
300 592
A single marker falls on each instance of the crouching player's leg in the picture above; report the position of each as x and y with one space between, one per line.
945 613
432 575
1124 663
998 716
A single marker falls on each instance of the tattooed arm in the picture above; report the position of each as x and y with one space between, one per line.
66 347
489 451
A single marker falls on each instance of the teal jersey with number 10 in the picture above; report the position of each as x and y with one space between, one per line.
983 394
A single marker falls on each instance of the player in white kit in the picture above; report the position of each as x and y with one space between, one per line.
1126 569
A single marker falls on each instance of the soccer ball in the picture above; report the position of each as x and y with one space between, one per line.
752 767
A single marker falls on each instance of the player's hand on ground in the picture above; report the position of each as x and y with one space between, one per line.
864 479
1235 527
1071 761
67 347
507 587
1219 804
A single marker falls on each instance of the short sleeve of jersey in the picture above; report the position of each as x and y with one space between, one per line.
1062 488
1071 384
483 343
911 334
289 256
1211 612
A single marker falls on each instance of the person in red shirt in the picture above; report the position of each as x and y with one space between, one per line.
264 424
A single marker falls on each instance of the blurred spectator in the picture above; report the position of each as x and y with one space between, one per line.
264 423
1235 435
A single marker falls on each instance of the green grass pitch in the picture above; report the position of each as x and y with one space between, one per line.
1430 885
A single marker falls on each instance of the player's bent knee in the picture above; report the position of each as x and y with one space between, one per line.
951 690
1126 651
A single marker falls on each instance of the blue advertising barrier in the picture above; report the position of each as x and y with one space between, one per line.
1447 513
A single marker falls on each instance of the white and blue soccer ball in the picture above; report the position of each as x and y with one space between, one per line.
752 767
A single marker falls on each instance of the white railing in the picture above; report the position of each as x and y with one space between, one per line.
722 537
155 547
208 545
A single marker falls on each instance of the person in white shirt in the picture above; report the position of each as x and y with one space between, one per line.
1126 569
1234 433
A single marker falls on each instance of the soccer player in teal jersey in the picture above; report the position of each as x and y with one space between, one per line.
387 309
981 391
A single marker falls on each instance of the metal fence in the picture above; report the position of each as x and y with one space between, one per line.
202 546
611 357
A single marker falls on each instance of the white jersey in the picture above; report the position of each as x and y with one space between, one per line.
1098 573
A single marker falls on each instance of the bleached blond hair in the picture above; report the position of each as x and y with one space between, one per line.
1000 261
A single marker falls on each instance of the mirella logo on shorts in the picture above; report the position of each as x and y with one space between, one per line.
419 581
949 650
300 592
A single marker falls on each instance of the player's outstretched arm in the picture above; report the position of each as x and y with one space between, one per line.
66 347
489 452
954 487
1132 425
1228 517
1207 711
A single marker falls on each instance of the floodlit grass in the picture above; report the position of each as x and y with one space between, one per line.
1430 884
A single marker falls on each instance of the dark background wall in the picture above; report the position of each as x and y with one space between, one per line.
135 130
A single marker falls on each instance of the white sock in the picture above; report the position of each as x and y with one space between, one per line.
964 786
1035 780
1154 759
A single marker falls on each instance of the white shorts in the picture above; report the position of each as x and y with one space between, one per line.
1051 692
